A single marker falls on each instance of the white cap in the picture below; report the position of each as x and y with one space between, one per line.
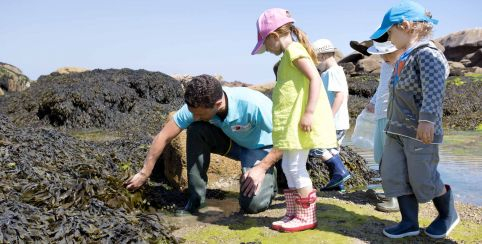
323 46
382 48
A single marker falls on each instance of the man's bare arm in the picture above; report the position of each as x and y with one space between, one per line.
164 137
252 179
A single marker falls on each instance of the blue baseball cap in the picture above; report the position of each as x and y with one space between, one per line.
405 10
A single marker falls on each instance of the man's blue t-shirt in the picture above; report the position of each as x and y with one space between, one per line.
248 122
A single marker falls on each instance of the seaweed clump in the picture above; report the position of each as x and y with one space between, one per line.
57 188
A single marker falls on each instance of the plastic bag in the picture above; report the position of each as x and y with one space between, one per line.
363 134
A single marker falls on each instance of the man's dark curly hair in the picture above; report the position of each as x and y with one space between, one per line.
203 91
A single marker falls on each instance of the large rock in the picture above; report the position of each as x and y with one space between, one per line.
111 99
349 68
361 47
476 70
352 58
369 64
461 44
12 79
172 165
456 68
266 89
184 79
475 58
68 70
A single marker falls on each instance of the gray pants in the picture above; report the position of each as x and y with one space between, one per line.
410 167
204 139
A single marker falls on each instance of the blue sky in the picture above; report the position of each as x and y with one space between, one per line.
186 37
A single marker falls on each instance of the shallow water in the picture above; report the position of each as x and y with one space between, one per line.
460 164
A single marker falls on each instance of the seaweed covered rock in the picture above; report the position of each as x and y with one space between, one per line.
463 102
363 85
62 189
95 223
361 89
356 104
355 163
111 99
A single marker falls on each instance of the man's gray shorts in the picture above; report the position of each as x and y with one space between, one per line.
410 167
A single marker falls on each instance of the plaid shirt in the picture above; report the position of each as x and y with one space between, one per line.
417 89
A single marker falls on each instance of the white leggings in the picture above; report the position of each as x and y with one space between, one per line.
294 167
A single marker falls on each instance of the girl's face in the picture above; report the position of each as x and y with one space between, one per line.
400 36
323 65
273 44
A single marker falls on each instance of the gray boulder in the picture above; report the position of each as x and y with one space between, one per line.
463 45
369 64
12 79
352 58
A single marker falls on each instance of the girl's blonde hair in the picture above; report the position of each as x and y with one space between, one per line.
289 28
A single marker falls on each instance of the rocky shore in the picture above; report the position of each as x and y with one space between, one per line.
69 140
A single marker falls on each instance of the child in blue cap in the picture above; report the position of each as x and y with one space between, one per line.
414 127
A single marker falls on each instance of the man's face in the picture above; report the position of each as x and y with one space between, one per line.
203 114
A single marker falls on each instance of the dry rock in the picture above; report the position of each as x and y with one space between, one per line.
12 79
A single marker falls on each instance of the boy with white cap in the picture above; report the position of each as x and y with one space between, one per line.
334 81
379 104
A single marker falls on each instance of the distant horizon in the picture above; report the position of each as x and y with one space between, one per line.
187 38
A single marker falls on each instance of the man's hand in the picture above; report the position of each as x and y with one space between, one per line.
251 181
370 107
306 121
135 181
425 132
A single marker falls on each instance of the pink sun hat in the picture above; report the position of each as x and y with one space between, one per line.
269 21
